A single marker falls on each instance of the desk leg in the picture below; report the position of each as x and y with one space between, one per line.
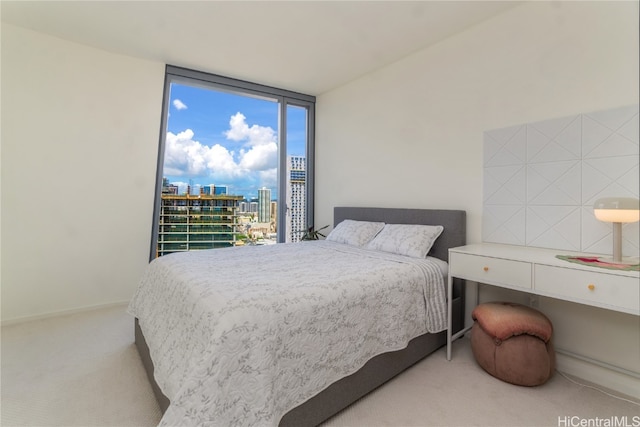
450 335
449 314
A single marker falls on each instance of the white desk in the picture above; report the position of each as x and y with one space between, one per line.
538 271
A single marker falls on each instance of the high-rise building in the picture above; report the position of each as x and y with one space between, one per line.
213 189
296 218
192 222
170 189
274 213
264 205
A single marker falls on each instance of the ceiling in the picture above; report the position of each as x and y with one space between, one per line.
305 46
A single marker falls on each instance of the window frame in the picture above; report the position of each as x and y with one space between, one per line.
174 74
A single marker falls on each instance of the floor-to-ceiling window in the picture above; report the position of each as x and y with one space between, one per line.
235 164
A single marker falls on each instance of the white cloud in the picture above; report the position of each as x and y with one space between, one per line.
254 135
260 157
179 104
187 157
262 151
269 179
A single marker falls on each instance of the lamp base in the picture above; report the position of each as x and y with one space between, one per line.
623 261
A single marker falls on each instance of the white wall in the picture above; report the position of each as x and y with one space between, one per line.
411 134
80 133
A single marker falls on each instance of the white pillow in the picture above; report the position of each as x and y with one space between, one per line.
406 239
355 233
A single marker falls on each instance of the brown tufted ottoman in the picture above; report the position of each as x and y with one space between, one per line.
512 342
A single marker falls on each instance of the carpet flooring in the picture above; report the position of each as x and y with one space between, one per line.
84 370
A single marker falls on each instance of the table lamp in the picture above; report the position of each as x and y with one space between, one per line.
617 210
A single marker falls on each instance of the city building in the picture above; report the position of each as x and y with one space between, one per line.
274 214
213 189
296 216
220 190
192 222
264 205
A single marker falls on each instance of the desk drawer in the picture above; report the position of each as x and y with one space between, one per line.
599 289
495 271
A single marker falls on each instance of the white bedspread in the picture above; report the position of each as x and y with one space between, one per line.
240 336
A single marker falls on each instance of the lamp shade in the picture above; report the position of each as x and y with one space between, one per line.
617 209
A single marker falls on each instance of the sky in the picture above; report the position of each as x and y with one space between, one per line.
221 138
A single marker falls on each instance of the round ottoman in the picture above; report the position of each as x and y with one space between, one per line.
512 342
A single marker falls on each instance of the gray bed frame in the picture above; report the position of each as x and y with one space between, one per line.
381 368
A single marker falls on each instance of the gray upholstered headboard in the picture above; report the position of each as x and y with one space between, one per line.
453 221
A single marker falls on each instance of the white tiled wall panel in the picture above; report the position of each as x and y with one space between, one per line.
504 147
554 183
608 177
553 227
541 180
505 185
553 140
504 224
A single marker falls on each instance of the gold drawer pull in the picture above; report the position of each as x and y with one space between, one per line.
591 286
486 269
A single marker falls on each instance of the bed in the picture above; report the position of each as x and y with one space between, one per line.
289 367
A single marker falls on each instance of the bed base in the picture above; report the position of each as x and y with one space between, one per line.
143 349
340 394
372 375
385 366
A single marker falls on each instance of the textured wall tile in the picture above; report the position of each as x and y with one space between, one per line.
554 140
610 133
553 227
504 185
609 177
596 235
557 183
631 239
504 147
503 224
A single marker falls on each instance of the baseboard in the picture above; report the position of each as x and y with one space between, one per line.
62 313
598 374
